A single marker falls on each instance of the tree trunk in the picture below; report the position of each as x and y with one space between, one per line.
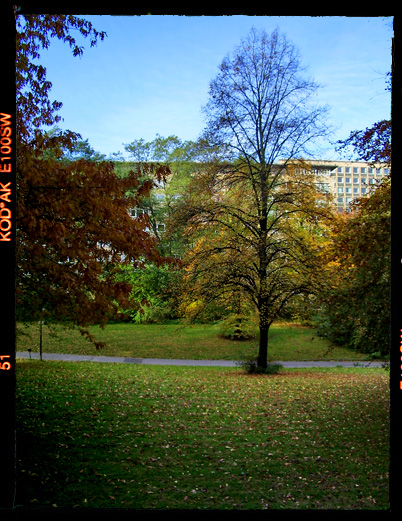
263 348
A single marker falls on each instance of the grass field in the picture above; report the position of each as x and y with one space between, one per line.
164 437
198 342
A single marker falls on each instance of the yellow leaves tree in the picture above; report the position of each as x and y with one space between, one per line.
260 116
221 227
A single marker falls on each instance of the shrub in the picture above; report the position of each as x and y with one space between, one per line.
249 364
251 367
155 312
238 327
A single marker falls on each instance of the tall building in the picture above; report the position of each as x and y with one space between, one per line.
344 180
347 180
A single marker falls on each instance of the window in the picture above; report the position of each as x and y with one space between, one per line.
340 179
363 169
340 199
348 190
355 170
371 170
136 212
356 181
340 169
364 190
347 169
347 180
340 190
355 190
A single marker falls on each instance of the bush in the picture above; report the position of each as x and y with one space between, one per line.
198 311
249 364
155 312
251 367
238 327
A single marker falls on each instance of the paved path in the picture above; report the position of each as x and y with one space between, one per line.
166 361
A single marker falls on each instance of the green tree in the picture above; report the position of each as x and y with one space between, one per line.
162 200
153 297
83 150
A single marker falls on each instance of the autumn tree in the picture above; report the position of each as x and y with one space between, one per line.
355 303
261 115
355 297
372 144
74 228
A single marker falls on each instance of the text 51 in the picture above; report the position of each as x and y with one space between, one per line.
5 365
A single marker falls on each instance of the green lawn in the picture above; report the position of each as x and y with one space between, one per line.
199 342
163 437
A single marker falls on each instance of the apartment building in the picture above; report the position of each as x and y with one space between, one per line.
347 180
344 180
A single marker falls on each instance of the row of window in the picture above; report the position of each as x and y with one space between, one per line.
362 170
348 190
356 180
136 212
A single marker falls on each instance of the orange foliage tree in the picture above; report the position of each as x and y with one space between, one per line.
74 227
354 300
355 296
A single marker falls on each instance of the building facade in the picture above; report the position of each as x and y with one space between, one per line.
347 180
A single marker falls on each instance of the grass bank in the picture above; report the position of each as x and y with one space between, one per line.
287 341
163 437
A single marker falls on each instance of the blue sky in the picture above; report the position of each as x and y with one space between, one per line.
151 74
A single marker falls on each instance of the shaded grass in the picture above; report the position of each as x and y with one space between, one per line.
198 342
164 437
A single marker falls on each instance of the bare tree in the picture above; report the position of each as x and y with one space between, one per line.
261 115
